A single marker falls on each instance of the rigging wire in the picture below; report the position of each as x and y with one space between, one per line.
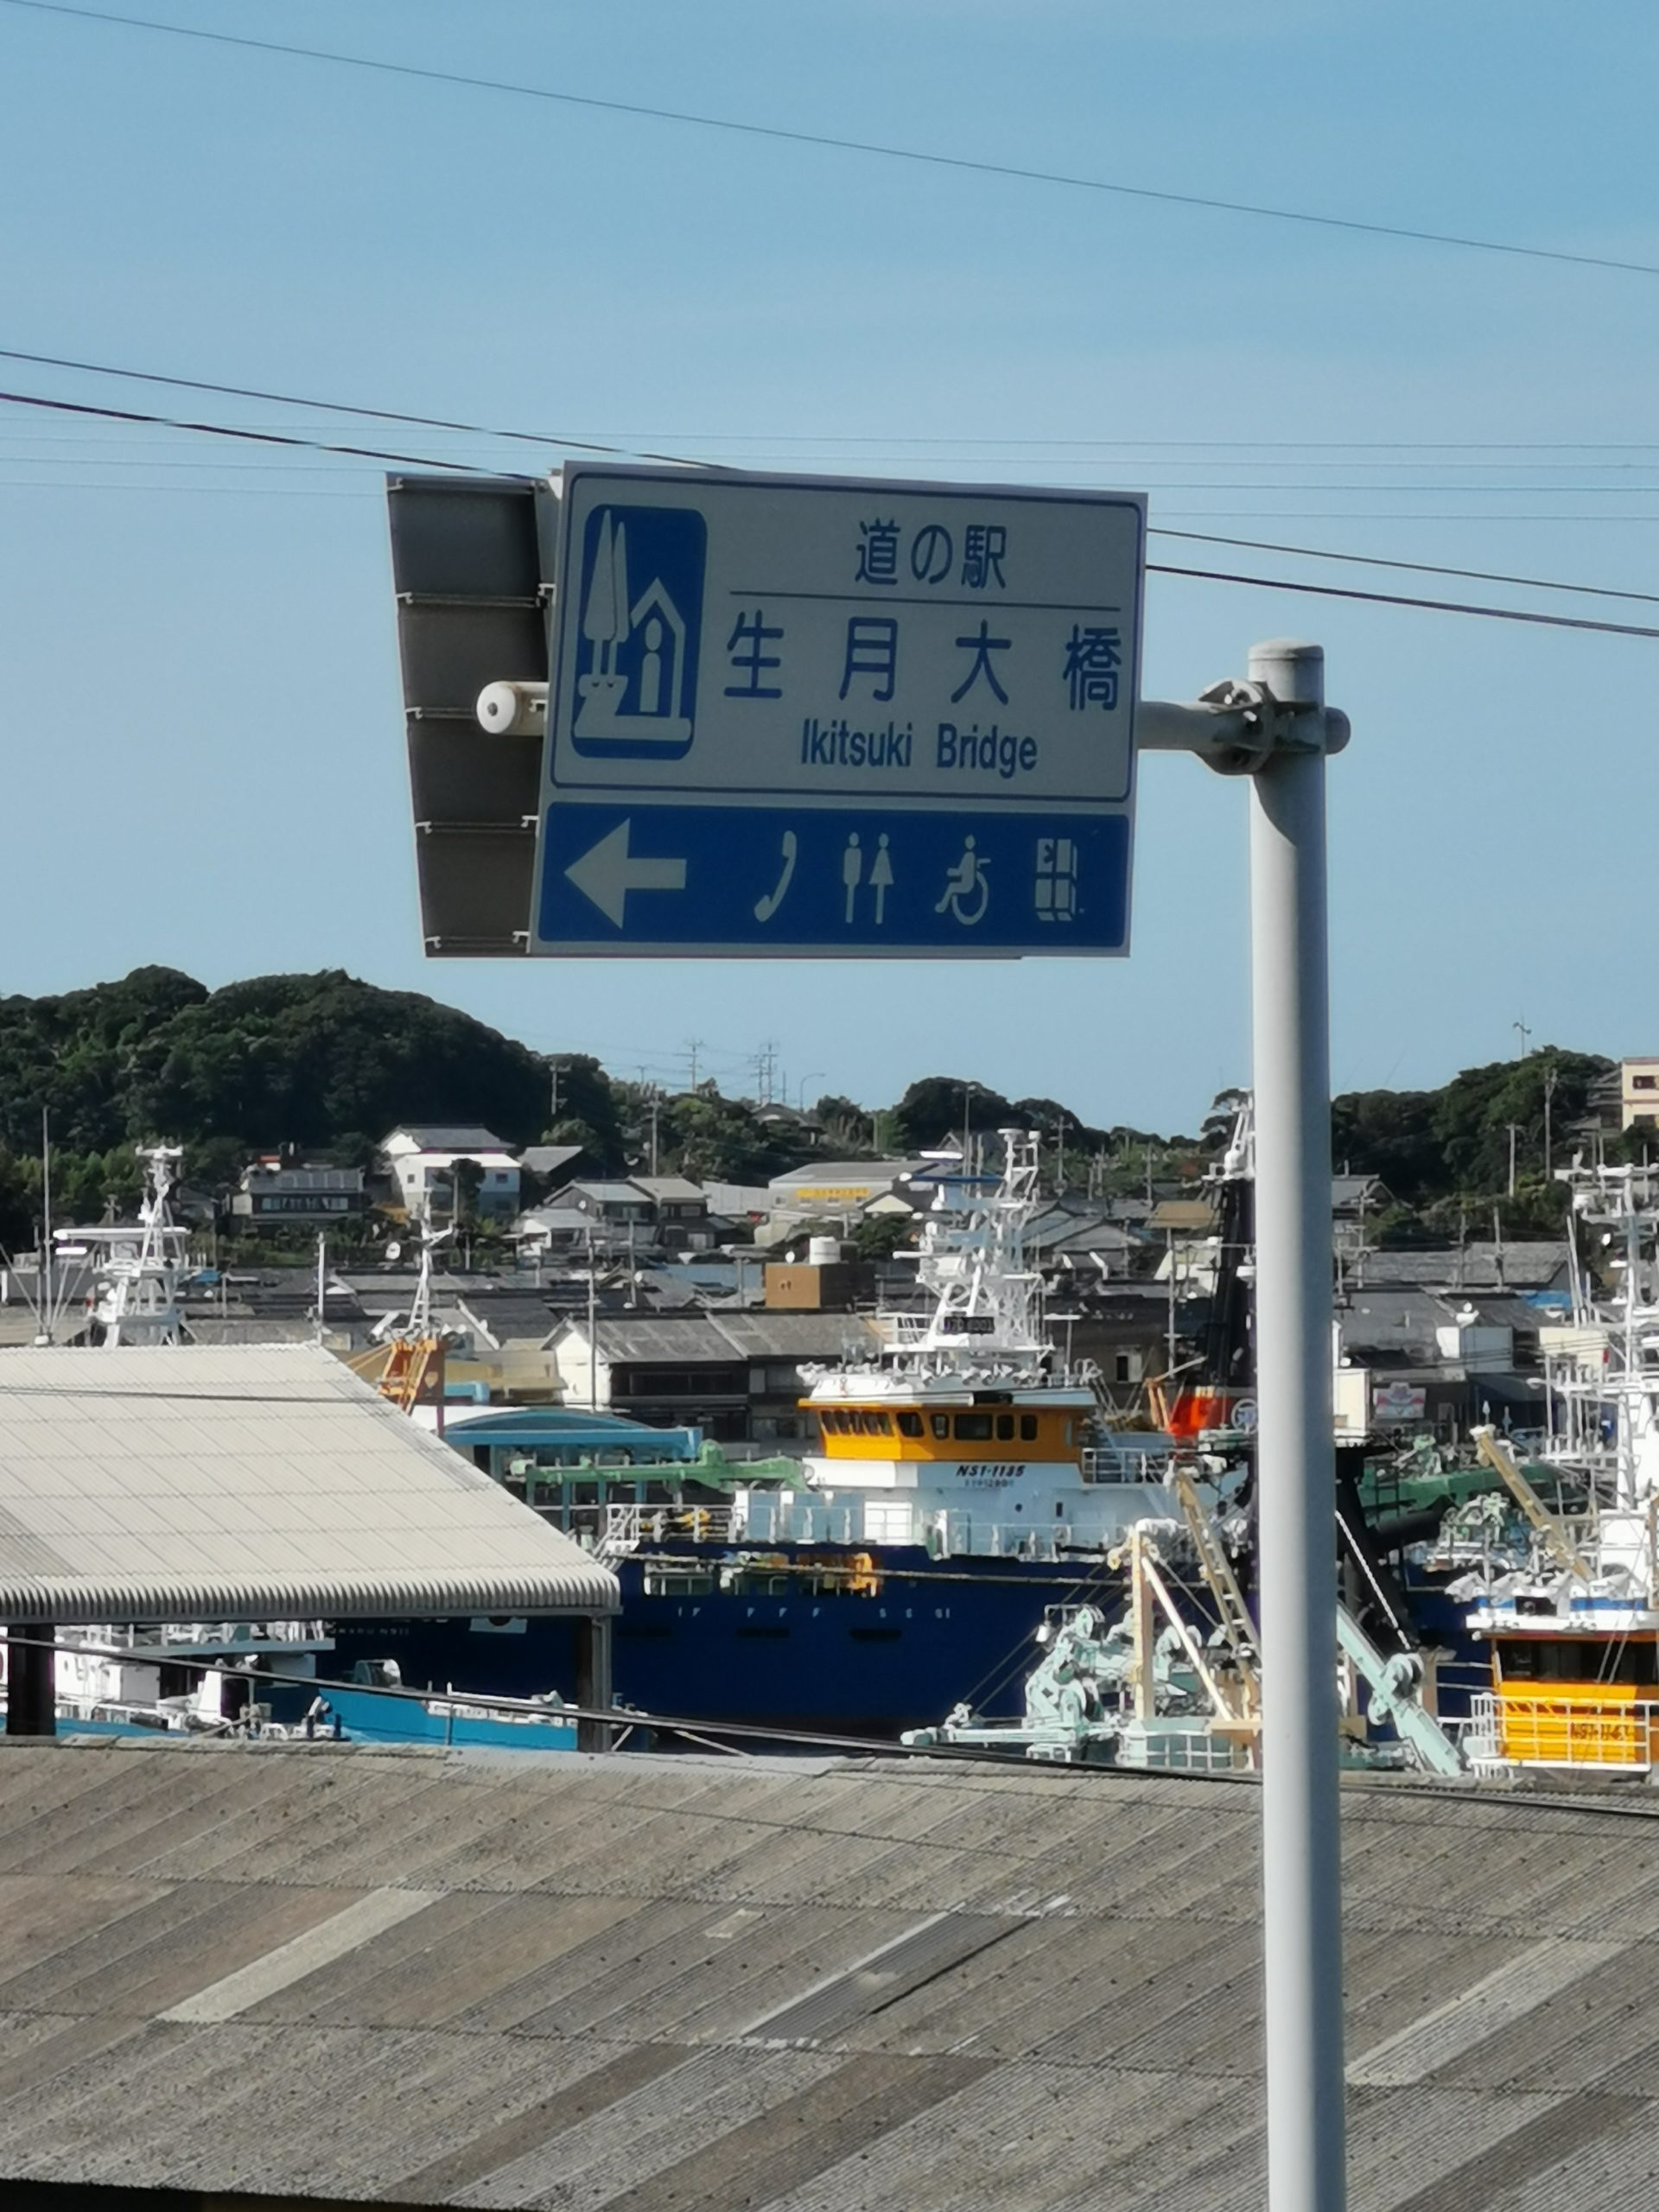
779 133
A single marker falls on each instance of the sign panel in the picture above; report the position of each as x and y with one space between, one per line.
1399 1401
797 715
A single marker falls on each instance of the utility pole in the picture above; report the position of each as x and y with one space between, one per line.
1552 1077
593 1329
45 1317
1169 1326
693 1046
1515 1129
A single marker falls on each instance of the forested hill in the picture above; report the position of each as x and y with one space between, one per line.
327 1064
324 1062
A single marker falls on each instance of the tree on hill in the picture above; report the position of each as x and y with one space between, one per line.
940 1107
75 1054
1434 1146
589 1109
301 1060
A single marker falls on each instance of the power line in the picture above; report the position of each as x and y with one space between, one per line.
1400 598
471 429
779 133
1420 568
325 406
224 431
1207 576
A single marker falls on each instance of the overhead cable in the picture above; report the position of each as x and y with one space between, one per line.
780 133
224 431
584 445
1420 568
1207 576
331 406
1400 598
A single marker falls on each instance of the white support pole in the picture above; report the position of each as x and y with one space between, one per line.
1295 1459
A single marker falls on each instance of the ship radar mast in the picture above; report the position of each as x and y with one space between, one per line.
985 1296
135 1298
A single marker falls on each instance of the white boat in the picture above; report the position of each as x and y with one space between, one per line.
967 1435
1574 1629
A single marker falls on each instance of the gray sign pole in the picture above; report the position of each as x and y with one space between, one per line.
1295 1459
1276 730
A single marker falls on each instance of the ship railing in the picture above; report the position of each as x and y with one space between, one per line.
628 1526
1523 1729
904 1328
1124 1463
790 1516
962 1535
184 1636
1476 1735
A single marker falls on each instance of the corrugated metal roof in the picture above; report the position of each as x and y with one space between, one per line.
446 1137
683 1986
726 1337
230 1483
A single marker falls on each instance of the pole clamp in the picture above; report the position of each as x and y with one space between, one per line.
1258 726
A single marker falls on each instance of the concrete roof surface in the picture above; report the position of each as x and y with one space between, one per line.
226 1482
680 1986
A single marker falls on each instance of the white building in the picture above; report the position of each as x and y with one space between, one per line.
421 1158
1639 1094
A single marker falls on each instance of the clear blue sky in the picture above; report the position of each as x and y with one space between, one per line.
201 714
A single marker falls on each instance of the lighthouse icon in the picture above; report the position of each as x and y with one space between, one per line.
641 612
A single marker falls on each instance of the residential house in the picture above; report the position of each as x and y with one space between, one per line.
551 1232
837 1188
1639 1094
1415 1359
615 1208
550 1165
274 1194
681 1211
422 1159
736 1376
1536 1266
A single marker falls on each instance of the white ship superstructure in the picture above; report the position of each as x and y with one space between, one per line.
1574 1634
964 1436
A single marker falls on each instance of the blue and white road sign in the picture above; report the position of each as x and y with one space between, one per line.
811 880
800 715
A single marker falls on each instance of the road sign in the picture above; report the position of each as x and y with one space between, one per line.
799 716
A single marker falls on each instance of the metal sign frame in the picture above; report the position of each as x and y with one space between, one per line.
863 850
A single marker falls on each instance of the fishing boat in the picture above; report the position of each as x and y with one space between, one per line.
962 1480
1174 1683
1569 1613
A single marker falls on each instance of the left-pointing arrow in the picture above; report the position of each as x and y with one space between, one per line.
608 872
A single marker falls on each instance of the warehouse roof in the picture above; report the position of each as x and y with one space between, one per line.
726 1337
683 1986
230 1483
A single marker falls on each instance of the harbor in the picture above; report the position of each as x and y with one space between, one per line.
828 1142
